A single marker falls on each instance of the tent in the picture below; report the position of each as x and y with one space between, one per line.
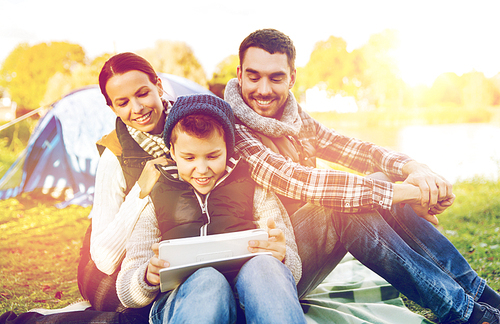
61 157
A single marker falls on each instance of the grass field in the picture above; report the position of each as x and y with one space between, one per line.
39 253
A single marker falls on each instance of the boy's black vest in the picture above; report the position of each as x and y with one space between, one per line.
228 207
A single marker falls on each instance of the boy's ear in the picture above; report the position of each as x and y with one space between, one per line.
172 152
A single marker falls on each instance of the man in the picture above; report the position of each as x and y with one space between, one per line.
334 211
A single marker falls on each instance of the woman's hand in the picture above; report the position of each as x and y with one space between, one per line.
154 266
150 175
276 243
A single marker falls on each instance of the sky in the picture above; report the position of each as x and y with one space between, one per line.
436 36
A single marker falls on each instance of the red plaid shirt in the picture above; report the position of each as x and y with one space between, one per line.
342 191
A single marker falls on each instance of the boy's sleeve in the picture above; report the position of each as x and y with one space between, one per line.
267 205
131 286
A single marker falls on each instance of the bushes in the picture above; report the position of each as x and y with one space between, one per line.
15 137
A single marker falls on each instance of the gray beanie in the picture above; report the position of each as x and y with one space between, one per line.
202 104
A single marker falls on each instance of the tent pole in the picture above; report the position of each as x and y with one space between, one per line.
31 113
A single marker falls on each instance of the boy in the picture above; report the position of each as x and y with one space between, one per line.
209 191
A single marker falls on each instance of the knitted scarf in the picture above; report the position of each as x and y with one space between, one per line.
151 144
289 124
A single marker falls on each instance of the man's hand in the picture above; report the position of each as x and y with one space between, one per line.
154 266
430 214
276 243
150 175
427 193
434 189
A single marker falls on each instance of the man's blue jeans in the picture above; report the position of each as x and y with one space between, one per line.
264 288
406 250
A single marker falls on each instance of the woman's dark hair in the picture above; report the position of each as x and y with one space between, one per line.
123 63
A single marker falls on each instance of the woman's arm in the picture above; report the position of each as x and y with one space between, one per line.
268 206
114 214
131 286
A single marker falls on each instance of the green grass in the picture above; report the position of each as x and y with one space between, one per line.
39 252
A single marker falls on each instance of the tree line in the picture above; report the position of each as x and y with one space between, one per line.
41 74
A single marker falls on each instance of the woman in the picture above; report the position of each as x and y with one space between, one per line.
125 174
124 177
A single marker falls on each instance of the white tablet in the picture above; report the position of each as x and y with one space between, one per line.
225 252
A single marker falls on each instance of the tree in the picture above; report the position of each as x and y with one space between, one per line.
477 92
27 70
332 66
60 84
495 82
380 74
225 71
369 73
175 58
446 89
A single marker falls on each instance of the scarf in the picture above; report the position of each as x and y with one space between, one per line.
150 143
289 124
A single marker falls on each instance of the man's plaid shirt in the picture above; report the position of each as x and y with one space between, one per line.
342 191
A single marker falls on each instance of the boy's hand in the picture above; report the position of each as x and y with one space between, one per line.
150 175
154 266
276 243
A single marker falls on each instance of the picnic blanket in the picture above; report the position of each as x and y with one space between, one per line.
354 294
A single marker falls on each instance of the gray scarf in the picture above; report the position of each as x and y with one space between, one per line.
290 122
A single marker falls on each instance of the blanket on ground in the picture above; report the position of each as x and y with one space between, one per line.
354 294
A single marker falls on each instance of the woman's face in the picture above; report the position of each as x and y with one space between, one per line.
137 101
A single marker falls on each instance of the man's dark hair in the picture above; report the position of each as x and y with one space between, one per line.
272 41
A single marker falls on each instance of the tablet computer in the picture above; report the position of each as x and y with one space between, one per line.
225 252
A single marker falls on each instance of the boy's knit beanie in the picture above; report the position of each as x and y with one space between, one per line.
202 104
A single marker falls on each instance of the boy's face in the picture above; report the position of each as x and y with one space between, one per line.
200 161
265 79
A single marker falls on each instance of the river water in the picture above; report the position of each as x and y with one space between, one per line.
456 151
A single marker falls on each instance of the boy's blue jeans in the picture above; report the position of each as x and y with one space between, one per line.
264 288
406 250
